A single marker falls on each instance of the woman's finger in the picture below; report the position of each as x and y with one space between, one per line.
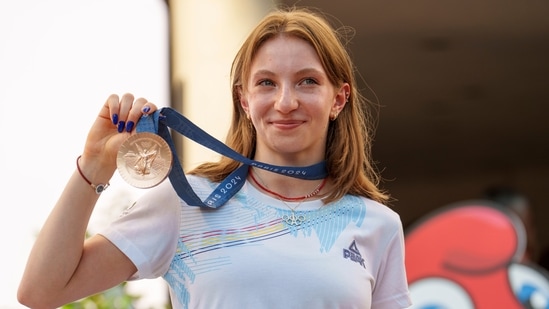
126 103
113 104
140 107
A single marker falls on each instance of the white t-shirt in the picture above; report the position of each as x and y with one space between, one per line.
346 254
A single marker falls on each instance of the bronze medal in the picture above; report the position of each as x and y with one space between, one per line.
144 160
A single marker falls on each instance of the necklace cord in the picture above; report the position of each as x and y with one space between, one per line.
293 219
280 196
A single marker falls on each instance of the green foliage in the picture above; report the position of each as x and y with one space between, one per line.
114 298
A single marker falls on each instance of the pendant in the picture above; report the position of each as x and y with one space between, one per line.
293 219
144 160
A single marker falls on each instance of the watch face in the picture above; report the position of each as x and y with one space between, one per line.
100 188
144 160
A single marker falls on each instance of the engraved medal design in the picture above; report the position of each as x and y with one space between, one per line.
144 160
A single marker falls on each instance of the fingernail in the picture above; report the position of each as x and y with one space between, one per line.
115 118
146 109
129 126
121 126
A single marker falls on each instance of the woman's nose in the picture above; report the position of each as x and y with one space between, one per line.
286 101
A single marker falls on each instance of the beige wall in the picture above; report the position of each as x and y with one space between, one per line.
206 36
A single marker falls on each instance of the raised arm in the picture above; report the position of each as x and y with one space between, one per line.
63 266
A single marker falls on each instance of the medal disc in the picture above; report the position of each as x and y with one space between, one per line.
144 160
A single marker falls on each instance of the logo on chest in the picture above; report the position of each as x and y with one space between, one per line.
353 254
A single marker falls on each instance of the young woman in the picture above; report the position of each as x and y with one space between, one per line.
279 242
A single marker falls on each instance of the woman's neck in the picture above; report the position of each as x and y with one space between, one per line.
286 187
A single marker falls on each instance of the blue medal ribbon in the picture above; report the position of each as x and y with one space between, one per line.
167 118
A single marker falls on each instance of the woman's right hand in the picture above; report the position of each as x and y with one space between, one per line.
114 124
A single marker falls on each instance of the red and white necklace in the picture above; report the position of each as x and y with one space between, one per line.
292 219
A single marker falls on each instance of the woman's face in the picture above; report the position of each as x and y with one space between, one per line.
289 99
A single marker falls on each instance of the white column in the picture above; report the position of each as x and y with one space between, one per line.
206 35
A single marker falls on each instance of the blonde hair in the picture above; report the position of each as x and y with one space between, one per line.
348 148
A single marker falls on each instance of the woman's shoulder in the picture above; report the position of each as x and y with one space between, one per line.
166 188
167 193
378 210
198 180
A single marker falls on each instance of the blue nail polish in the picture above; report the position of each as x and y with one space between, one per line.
121 125
115 118
146 109
129 126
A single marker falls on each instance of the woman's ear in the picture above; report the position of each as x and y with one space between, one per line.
341 98
242 100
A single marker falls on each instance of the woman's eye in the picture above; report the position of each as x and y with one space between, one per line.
309 81
265 82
